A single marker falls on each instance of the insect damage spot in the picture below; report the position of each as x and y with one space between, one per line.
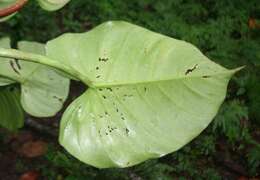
128 95
59 99
127 131
17 64
191 69
111 129
14 68
110 89
205 76
103 59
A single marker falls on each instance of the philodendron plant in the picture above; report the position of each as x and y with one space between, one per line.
148 94
9 7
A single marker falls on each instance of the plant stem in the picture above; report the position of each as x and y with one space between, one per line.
36 58
12 8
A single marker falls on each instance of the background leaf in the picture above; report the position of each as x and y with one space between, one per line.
43 90
52 5
11 112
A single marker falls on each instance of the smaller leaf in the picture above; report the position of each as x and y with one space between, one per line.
43 90
52 5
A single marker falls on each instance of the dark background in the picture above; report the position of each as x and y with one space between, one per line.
228 32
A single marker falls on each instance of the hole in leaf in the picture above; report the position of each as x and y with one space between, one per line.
191 69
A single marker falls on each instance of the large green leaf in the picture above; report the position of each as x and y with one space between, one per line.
43 90
11 113
149 94
52 5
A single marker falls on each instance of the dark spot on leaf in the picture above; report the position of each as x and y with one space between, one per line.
17 64
205 76
122 118
191 69
98 76
145 89
106 133
97 68
128 95
59 99
109 89
127 131
117 110
100 89
106 112
104 96
13 67
103 59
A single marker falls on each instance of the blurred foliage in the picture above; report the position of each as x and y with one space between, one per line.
223 30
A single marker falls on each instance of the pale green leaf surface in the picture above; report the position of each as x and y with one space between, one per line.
43 90
52 5
149 94
11 112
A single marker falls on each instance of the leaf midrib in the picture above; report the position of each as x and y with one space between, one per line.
111 84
